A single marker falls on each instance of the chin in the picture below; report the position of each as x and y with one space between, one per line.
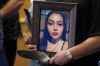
55 38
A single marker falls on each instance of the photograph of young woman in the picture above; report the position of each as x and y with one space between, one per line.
54 34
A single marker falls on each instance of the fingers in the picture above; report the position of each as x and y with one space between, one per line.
54 61
33 48
59 59
51 61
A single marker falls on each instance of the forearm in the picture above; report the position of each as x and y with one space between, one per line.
87 47
10 6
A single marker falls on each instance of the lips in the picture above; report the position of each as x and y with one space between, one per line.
55 33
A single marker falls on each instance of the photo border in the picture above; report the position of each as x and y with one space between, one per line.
67 6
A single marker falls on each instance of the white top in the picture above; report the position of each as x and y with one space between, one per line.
60 45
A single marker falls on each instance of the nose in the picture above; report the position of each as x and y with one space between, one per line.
55 28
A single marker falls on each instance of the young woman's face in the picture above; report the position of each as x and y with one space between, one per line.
55 25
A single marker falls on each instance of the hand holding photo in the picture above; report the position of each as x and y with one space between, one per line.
53 26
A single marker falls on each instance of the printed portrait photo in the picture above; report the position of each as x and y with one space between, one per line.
54 30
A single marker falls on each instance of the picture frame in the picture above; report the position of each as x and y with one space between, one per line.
40 12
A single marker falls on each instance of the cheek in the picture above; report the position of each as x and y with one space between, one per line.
50 29
61 30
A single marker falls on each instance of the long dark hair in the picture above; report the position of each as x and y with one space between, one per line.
43 42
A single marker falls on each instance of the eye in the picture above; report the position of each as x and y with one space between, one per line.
60 23
50 22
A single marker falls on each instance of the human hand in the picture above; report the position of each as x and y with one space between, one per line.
1 13
30 44
28 39
61 58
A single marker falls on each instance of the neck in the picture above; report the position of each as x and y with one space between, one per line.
54 41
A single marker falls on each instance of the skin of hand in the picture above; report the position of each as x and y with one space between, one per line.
87 47
11 6
29 44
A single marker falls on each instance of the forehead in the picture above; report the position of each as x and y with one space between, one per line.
56 15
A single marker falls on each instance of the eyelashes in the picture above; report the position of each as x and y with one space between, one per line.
59 23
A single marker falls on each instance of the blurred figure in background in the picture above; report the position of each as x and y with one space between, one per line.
3 59
9 11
